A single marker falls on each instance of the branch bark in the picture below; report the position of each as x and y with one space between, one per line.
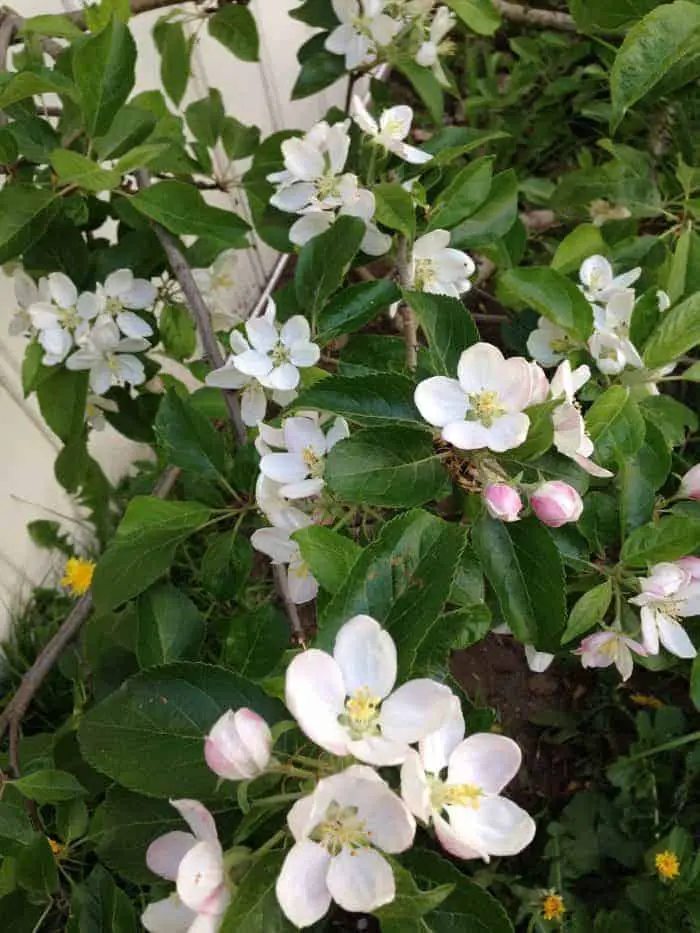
408 315
531 16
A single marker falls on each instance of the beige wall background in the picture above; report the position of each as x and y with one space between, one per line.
254 93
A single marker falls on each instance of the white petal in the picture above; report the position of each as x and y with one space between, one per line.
383 29
131 325
275 542
412 155
118 282
295 330
165 853
253 363
198 818
100 376
431 244
414 787
200 876
62 290
284 468
226 377
303 586
302 490
302 159
262 334
436 748
674 637
508 432
498 826
374 242
301 434
366 654
169 915
537 661
440 401
396 122
253 404
315 695
284 377
466 435
338 431
44 316
650 632
453 843
379 751
414 710
386 816
361 880
309 226
486 760
88 306
596 272
130 369
293 197
301 889
141 295
304 354
362 116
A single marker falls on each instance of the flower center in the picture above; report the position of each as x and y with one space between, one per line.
667 865
341 829
424 274
69 317
328 186
454 795
314 463
485 407
361 716
280 354
560 344
300 569
553 907
113 306
223 281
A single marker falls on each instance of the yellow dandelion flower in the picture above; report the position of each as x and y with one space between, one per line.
56 848
643 699
553 907
667 865
77 576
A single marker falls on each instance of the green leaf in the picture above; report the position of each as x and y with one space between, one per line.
695 683
608 15
397 467
525 569
177 331
226 565
256 641
140 157
20 915
394 208
62 397
410 902
27 84
676 283
377 399
583 241
678 333
73 168
131 127
104 70
353 307
51 24
672 537
448 325
36 868
167 711
205 117
143 548
494 218
254 908
467 191
99 906
460 628
402 579
324 262
479 15
670 416
234 27
426 86
170 627
175 54
25 215
187 438
662 49
588 611
319 68
540 435
239 141
49 786
316 13
8 147
181 208
16 831
615 425
640 476
329 554
553 296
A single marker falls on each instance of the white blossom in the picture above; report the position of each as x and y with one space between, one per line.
95 407
239 745
277 543
391 131
300 469
428 55
537 661
340 832
548 343
571 437
118 298
361 204
61 316
455 783
603 649
363 27
218 286
346 702
610 344
27 293
109 357
598 281
668 593
437 269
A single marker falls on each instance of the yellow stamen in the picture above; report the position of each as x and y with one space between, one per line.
77 576
553 907
667 865
486 407
362 712
455 795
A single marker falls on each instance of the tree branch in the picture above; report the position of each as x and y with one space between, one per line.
410 322
529 16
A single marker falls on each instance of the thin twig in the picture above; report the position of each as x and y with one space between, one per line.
282 587
529 16
410 321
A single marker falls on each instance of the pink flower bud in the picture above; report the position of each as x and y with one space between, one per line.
503 502
239 745
556 503
690 484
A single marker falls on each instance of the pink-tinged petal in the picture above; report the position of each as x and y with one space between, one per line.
440 401
498 826
200 876
466 435
226 766
164 854
301 888
378 751
435 749
591 468
199 819
210 923
169 915
366 655
386 816
315 695
416 709
486 760
256 736
674 637
650 632
361 880
453 843
414 787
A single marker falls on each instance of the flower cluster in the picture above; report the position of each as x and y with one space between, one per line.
348 703
219 287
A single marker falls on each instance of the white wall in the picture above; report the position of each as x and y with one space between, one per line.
254 93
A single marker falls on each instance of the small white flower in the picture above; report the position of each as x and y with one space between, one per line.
340 832
277 543
361 204
109 358
668 593
391 131
119 297
598 281
27 293
610 344
484 406
344 701
300 469
274 354
571 436
437 269
218 286
602 649
471 819
428 55
254 393
663 300
95 407
61 316
548 343
363 27
602 211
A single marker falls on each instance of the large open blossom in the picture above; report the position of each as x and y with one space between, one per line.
668 593
277 543
438 269
340 832
363 27
599 282
428 55
119 297
344 701
109 357
195 861
391 131
602 649
455 783
299 470
484 406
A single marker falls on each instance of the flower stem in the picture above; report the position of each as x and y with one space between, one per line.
667 746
